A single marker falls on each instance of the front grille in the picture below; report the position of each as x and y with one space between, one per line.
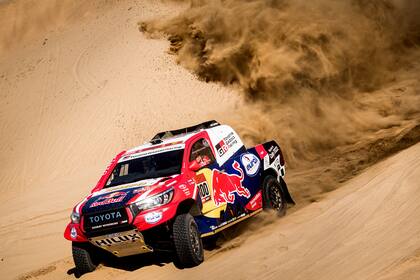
104 222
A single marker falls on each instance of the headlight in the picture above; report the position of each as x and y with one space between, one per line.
75 218
153 201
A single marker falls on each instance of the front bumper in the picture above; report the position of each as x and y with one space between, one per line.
149 226
122 244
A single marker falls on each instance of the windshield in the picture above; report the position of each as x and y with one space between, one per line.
148 167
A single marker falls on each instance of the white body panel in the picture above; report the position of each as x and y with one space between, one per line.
226 142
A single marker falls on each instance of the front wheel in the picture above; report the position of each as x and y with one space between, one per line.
187 240
273 195
85 257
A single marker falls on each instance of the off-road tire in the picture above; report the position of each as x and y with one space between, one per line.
187 241
273 195
85 257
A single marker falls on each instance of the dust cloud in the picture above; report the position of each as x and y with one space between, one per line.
334 82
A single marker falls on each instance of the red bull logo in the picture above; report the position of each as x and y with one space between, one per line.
114 197
226 185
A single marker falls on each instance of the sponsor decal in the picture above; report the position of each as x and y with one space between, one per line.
203 187
114 197
251 164
226 143
255 202
142 190
153 150
226 185
221 148
153 217
255 199
109 224
104 220
273 151
227 222
274 159
204 191
105 217
73 233
185 189
131 237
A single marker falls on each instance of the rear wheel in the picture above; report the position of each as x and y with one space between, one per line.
273 195
187 240
85 257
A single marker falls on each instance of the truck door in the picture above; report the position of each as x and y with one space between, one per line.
202 158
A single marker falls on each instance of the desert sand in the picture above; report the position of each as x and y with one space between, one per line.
68 106
84 83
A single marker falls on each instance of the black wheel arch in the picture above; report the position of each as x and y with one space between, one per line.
272 172
191 206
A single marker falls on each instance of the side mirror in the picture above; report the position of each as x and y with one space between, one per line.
194 165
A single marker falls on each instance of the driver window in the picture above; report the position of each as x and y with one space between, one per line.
201 152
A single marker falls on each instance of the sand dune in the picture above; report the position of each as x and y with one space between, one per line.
368 229
82 84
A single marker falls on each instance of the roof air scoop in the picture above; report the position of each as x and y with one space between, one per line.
171 133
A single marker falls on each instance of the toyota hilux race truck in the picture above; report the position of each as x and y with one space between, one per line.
169 194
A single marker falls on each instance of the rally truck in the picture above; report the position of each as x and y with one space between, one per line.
171 193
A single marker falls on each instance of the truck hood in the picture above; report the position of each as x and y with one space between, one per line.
118 196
